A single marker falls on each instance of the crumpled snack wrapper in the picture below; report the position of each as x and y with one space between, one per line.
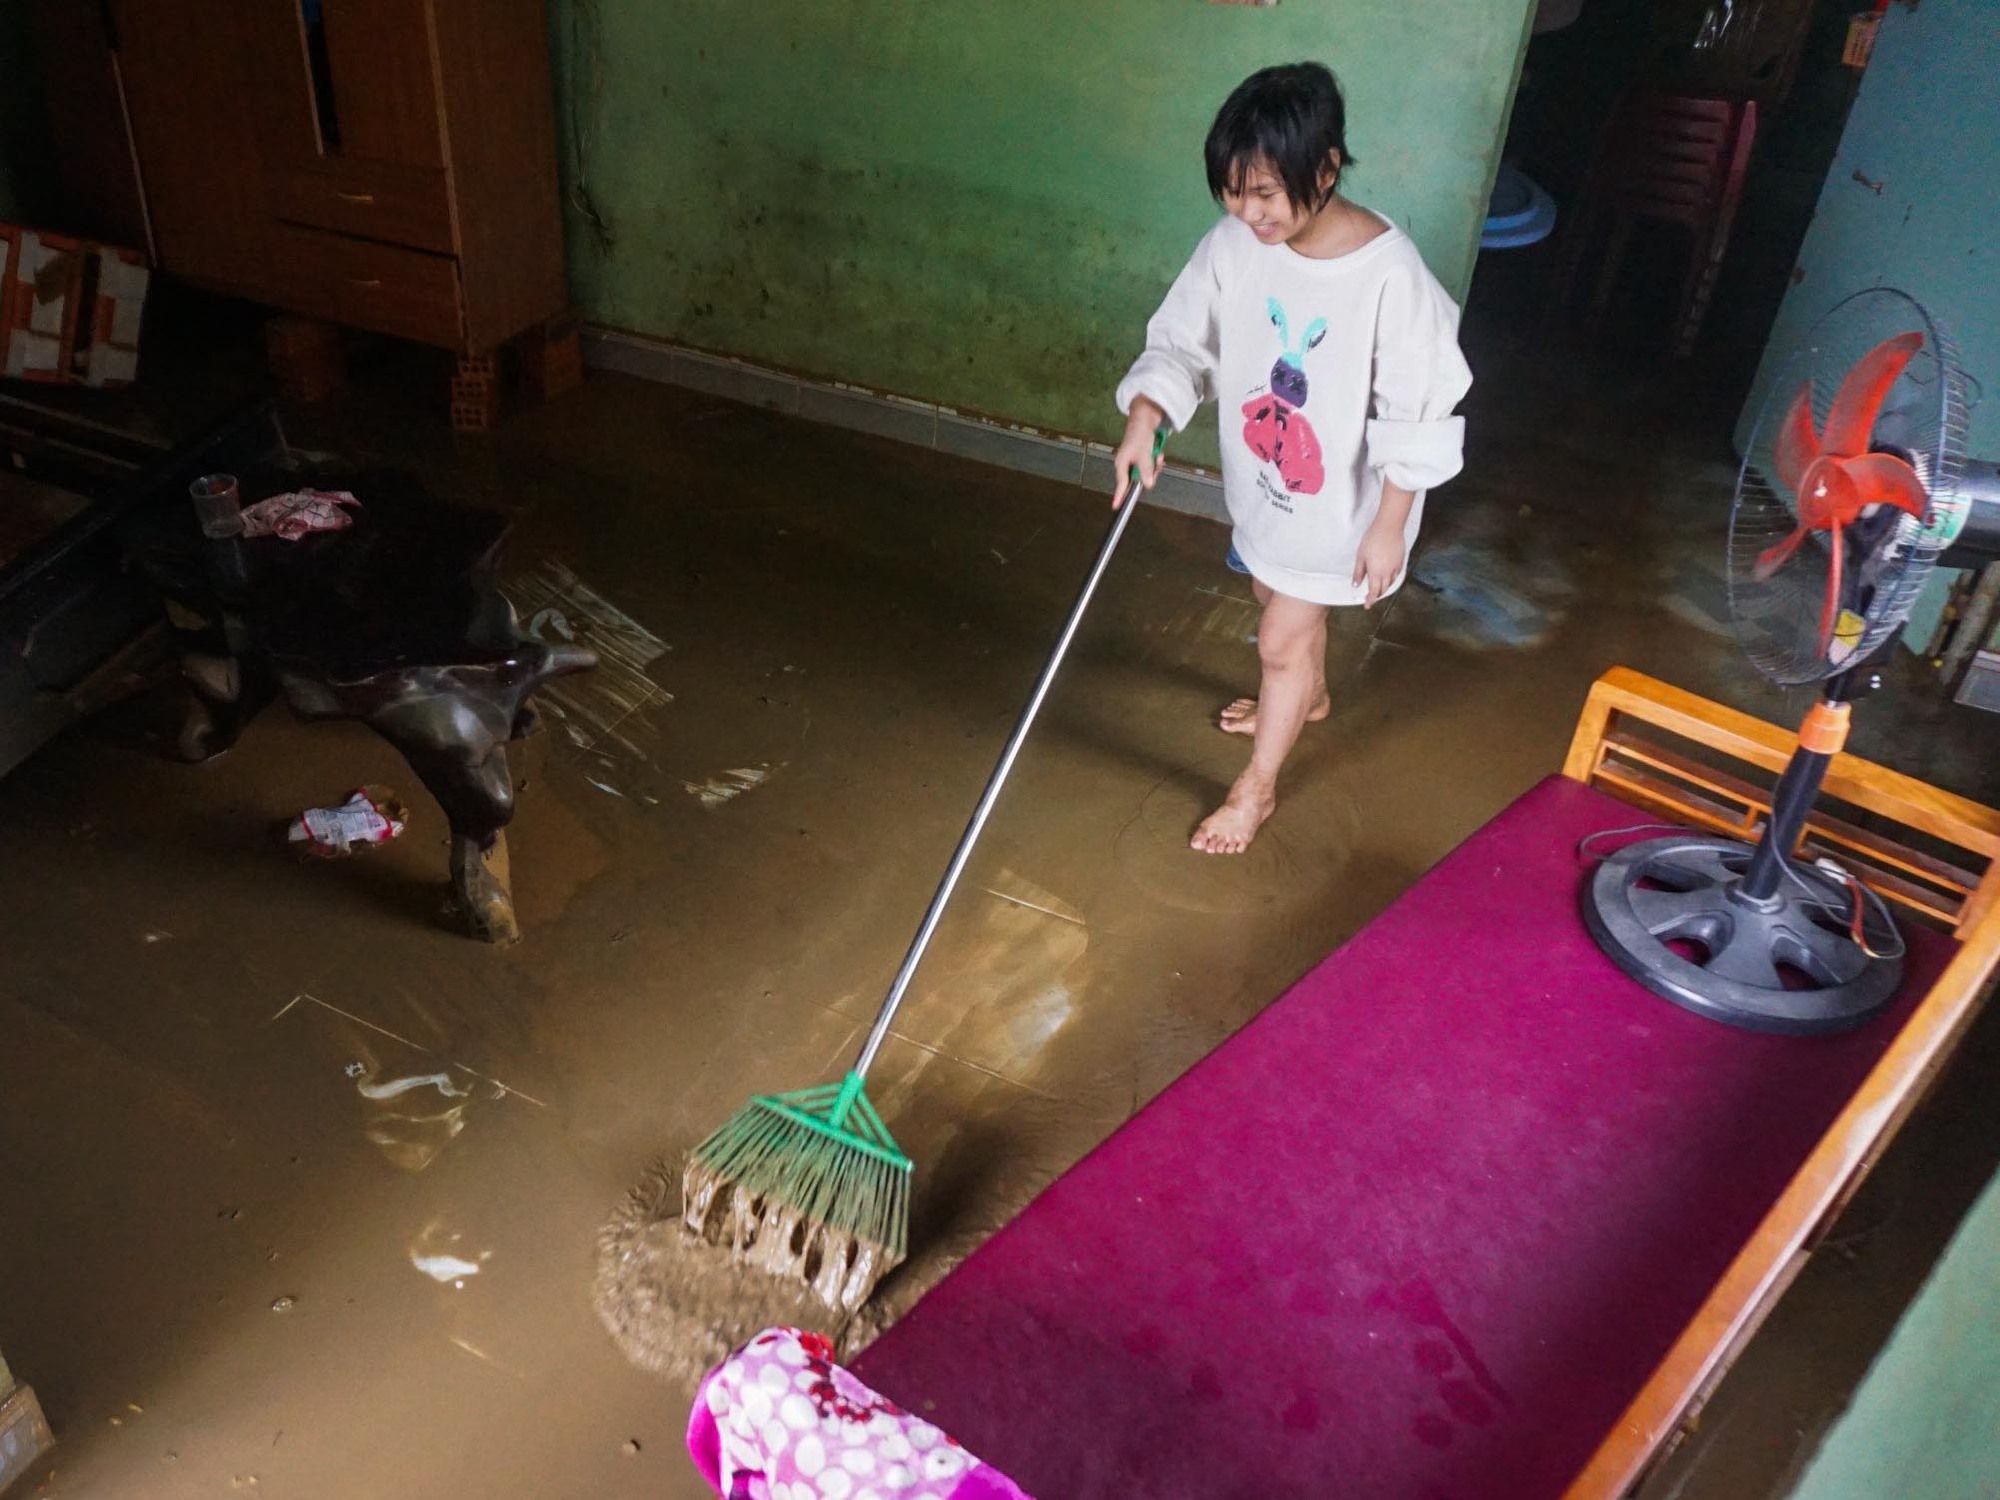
371 816
298 513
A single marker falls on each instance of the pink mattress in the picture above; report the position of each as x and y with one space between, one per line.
1421 1230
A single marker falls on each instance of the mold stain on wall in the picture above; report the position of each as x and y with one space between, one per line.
975 205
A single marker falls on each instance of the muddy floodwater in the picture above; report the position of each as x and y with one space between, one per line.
306 1196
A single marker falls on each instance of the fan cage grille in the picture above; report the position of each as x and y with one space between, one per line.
1890 555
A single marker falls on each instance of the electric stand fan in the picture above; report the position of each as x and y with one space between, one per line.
1854 487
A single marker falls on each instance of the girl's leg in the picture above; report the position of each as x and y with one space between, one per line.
1291 645
1240 717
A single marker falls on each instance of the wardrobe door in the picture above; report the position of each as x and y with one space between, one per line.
213 87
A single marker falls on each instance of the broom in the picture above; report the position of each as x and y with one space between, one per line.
810 1185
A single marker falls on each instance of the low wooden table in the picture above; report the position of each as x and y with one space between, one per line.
396 621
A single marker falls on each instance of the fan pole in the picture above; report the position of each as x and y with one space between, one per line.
1791 800
1821 737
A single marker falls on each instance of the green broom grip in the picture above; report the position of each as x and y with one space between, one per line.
1159 447
900 986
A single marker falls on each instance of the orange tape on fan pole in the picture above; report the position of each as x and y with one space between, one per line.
1824 731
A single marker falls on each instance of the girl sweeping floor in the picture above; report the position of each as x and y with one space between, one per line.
1334 354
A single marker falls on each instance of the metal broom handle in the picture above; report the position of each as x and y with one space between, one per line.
963 854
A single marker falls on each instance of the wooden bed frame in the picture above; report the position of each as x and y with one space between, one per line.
1937 855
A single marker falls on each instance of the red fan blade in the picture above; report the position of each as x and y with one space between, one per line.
1773 558
1884 479
1859 400
1798 444
1830 610
1827 495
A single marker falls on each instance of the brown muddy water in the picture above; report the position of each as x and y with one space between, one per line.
306 1196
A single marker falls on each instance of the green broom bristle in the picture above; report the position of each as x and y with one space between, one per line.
807 1184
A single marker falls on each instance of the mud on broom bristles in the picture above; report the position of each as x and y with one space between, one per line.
802 1199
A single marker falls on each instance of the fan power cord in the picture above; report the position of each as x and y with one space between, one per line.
1586 846
1856 915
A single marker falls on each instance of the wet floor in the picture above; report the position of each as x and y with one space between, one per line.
305 1192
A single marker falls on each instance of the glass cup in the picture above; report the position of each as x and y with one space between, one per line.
217 506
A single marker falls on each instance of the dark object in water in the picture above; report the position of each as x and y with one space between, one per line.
396 621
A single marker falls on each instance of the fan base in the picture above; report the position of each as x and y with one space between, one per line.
1671 913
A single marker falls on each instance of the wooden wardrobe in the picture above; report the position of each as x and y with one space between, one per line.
381 164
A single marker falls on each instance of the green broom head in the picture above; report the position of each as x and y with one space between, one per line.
809 1186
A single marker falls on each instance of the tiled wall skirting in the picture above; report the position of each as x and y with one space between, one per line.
1052 457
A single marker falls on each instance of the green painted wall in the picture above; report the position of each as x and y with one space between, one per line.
971 201
1925 1424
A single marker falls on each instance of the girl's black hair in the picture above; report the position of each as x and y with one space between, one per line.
1292 116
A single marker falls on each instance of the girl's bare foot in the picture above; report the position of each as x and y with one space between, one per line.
1231 827
1241 716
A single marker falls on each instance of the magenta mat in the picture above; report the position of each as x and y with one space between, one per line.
1420 1231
